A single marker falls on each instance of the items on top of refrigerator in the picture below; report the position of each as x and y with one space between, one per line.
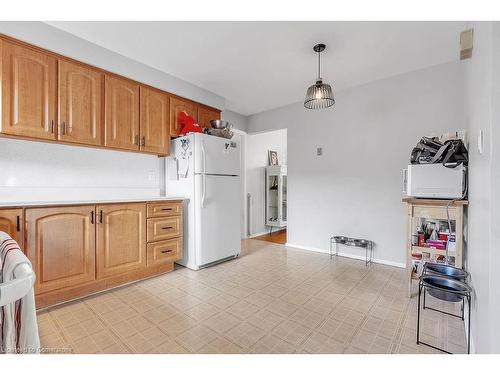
188 124
220 128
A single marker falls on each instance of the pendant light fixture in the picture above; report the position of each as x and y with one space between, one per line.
320 94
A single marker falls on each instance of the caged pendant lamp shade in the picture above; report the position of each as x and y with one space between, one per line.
319 95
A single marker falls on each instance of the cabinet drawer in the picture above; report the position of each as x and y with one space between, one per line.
164 209
432 212
164 251
164 228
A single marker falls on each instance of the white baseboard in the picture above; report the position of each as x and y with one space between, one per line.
258 234
347 255
472 345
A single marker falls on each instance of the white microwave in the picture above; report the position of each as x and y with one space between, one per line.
434 181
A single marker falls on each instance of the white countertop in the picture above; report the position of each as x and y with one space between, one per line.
88 201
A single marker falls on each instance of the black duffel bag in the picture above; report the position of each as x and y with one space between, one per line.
431 151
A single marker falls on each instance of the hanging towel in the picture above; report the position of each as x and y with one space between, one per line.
18 324
183 166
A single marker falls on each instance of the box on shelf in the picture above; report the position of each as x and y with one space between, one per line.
436 244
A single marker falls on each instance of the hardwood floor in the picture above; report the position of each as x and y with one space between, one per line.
278 237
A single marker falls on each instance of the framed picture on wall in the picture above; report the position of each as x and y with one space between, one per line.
273 158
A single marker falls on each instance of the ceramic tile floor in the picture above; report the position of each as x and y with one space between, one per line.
272 299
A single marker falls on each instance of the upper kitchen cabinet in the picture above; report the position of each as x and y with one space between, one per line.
28 92
155 130
50 97
178 105
121 113
80 103
205 114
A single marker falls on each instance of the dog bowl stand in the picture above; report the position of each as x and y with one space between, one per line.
368 245
463 295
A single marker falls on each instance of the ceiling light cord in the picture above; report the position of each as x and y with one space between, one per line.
319 66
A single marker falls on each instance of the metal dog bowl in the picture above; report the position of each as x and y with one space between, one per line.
341 239
445 288
446 270
361 242
220 124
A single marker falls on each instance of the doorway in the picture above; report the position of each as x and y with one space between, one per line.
278 237
267 185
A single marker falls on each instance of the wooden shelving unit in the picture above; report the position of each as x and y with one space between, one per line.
433 209
276 196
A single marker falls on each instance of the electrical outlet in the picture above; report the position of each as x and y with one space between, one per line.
319 151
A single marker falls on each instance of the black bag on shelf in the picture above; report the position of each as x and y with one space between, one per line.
431 151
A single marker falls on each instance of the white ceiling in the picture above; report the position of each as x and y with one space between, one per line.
262 65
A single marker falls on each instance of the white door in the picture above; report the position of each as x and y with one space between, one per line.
215 155
218 219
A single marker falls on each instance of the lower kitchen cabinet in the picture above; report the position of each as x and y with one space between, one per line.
121 238
163 228
12 223
164 251
60 243
83 249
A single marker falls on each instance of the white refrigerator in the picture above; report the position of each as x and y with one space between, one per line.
206 170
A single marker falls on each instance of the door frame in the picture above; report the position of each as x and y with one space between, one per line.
243 178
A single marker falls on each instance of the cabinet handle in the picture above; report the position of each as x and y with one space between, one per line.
100 216
136 140
18 223
52 126
143 143
166 209
63 128
92 217
166 251
167 228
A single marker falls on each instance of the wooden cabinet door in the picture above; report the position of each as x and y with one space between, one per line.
28 92
60 243
178 105
205 114
121 113
121 238
79 102
12 223
155 130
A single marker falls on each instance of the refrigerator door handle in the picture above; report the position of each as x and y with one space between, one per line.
204 175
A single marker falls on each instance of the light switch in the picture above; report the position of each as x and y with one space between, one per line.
319 151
